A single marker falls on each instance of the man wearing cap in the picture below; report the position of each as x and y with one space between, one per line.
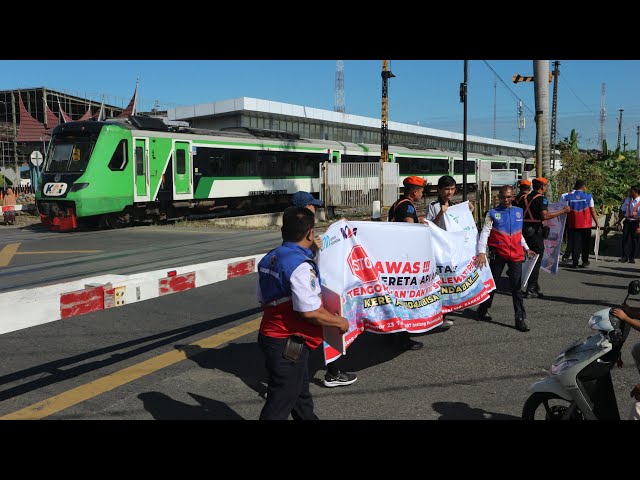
525 189
334 377
535 207
288 289
404 210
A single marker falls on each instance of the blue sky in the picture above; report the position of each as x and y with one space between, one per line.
424 91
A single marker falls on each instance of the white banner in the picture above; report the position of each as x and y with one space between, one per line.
552 244
387 276
527 268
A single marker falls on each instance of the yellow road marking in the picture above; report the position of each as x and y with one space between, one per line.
92 389
58 251
7 253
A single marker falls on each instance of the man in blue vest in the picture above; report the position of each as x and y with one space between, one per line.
579 222
334 377
502 232
293 316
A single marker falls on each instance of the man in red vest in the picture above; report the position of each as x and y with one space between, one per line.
579 222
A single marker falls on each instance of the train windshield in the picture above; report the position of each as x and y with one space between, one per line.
69 154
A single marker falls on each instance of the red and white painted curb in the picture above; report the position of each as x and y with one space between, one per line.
27 308
16 208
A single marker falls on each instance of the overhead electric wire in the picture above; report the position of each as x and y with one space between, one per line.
506 86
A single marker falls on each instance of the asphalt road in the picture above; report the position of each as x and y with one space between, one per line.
193 355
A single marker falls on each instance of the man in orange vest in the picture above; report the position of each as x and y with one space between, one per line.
404 210
535 207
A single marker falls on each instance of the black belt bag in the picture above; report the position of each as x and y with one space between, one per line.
546 231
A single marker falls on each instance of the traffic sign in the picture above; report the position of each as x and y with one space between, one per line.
36 158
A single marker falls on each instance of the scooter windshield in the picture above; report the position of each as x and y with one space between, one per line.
600 321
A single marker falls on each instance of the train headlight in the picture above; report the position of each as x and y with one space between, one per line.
78 186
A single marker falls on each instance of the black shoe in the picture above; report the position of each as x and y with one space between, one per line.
631 260
522 326
484 317
623 260
409 344
531 294
340 380
585 264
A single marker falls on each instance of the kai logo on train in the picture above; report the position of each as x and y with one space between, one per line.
361 265
54 189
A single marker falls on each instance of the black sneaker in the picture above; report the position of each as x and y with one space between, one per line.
585 264
410 344
623 260
484 317
522 326
531 294
632 260
341 380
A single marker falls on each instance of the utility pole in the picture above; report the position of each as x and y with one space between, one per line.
554 113
521 121
624 143
463 99
620 127
541 84
384 132
495 84
638 144
602 134
339 93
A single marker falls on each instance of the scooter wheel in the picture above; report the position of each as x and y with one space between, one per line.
548 406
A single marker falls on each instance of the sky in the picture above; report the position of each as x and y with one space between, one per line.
424 92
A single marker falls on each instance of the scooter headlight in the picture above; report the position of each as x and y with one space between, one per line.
558 368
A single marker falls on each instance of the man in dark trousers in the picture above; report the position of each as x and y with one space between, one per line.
535 207
579 222
293 316
502 232
334 377
404 210
630 214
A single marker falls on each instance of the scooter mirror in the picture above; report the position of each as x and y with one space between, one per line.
634 287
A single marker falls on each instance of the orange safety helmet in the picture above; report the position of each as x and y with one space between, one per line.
414 180
542 180
525 182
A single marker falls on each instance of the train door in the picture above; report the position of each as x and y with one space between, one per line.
335 156
141 170
182 178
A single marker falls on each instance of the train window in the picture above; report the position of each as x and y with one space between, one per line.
119 158
181 162
440 165
457 166
498 165
139 161
528 166
70 154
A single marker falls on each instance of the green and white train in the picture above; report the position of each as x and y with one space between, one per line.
139 170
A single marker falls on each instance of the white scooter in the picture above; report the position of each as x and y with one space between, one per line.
580 386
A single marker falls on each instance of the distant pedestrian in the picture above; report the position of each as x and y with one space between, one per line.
525 189
630 214
9 199
579 222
